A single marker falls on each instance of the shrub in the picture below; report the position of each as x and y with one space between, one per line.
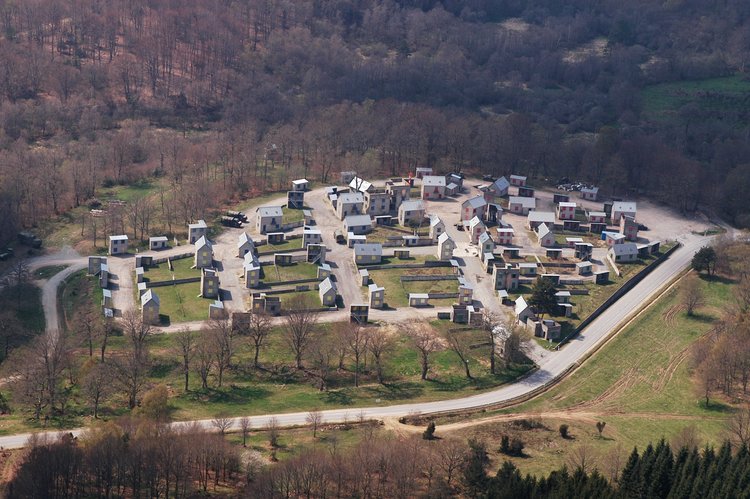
429 432
505 444
516 447
564 431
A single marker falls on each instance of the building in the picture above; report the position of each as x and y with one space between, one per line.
613 238
486 244
597 217
629 228
377 296
262 303
528 269
537 218
518 180
398 192
566 211
419 299
350 203
437 227
547 329
368 253
621 208
475 229
505 236
327 292
346 177
118 245
104 276
359 313
95 264
324 270
251 269
358 184
204 253
584 268
506 276
526 192
377 202
474 207
300 185
158 242
584 251
269 219
499 188
623 253
411 212
295 200
433 187
216 310
358 224
445 247
106 298
245 245
456 178
150 307
523 310
545 236
560 198
590 193
311 236
421 172
465 292
209 283
520 205
197 230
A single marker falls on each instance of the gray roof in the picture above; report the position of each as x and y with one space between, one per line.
368 249
360 184
419 296
300 181
484 237
121 237
435 220
475 202
543 231
475 221
541 216
624 249
623 207
501 184
202 242
326 285
148 296
525 202
270 211
374 287
357 220
518 177
411 206
244 239
444 237
155 239
351 198
200 224
592 190
433 180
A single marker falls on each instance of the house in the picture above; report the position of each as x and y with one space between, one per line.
216 310
554 253
327 292
295 199
316 253
527 269
377 296
475 229
269 219
251 269
629 228
204 253
419 299
262 303
562 296
353 239
324 270
158 242
106 298
571 242
197 230
521 206
209 283
445 247
465 292
311 236
537 218
506 276
358 224
613 238
523 310
621 253
589 193
104 276
300 184
584 268
368 253
118 245
473 207
95 264
245 245
411 212
433 187
455 178
548 329
358 184
398 192
350 203
364 277
622 208
437 227
545 236
494 213
560 198
150 307
597 217
498 188
505 236
451 189
359 313
526 192
139 274
518 180
584 251
486 244
421 172
566 211
377 202
308 217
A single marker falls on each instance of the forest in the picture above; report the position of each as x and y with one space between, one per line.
226 99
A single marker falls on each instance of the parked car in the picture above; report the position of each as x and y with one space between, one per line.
340 239
460 226
642 227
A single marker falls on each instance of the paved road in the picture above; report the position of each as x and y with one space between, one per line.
551 367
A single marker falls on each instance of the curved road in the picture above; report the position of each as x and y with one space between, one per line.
550 368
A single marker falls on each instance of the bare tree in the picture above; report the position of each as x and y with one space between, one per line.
245 425
425 341
272 427
380 342
97 385
222 422
323 350
583 458
458 342
300 328
692 294
356 339
258 329
87 325
451 456
222 335
137 331
739 426
314 419
106 329
204 356
186 340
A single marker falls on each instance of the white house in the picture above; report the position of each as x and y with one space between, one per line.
433 187
473 207
327 292
437 227
358 224
445 247
545 236
626 252
158 242
197 230
300 184
269 219
204 253
620 208
350 203
245 245
566 211
118 245
521 205
411 212
597 217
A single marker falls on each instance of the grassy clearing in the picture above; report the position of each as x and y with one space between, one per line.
48 271
289 244
290 215
300 270
392 260
77 292
381 233
181 303
397 292
25 302
182 269
311 296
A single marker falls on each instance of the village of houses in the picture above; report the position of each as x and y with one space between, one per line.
437 246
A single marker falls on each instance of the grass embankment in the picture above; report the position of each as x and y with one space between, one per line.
639 383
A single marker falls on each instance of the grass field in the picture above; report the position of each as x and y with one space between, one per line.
182 269
25 302
397 292
291 215
289 244
181 303
300 270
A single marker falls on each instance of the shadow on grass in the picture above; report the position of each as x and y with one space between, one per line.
338 397
716 278
702 318
231 395
715 406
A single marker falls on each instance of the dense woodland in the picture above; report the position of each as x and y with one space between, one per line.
224 98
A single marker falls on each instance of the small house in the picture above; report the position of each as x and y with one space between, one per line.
571 242
197 230
548 329
327 292
486 244
358 224
499 188
251 270
584 251
520 205
553 253
324 270
261 303
589 193
597 228
349 203
422 171
613 238
597 217
364 277
300 184
150 307
295 200
158 243
204 253
398 192
106 298
518 180
584 268
104 276
511 252
566 211
528 269
623 253
455 178
209 283
562 296
433 187
465 292
411 212
526 192
377 202
308 217
601 277
359 313
437 227
545 236
311 236
473 207
451 189
95 264
506 277
419 299
316 253
445 247
245 245
560 198
377 296
629 228
142 288
620 209
269 219
216 310
536 218
139 274
523 310
505 236
475 229
118 245
353 239
368 253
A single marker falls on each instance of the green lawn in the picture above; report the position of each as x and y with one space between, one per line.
48 271
182 269
289 244
79 290
392 260
397 293
301 270
291 215
312 296
181 303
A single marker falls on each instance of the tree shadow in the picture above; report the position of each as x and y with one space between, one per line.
338 397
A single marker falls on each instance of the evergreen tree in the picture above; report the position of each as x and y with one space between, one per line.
543 296
475 469
704 259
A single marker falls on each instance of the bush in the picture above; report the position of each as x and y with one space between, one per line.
564 431
505 444
429 432
516 447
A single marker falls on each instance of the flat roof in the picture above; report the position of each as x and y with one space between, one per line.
121 237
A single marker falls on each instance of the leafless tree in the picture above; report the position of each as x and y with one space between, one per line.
379 343
245 425
87 325
273 432
323 350
425 341
97 384
106 329
300 328
205 358
692 294
583 458
739 426
459 343
451 455
357 339
222 422
186 340
314 419
258 329
223 338
137 331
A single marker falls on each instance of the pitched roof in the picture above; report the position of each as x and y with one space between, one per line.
541 216
624 206
368 249
244 239
444 237
484 237
475 202
360 184
475 221
351 197
415 205
624 249
543 231
148 296
590 190
521 305
374 287
435 220
357 220
523 201
326 285
433 180
200 243
500 185
270 211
